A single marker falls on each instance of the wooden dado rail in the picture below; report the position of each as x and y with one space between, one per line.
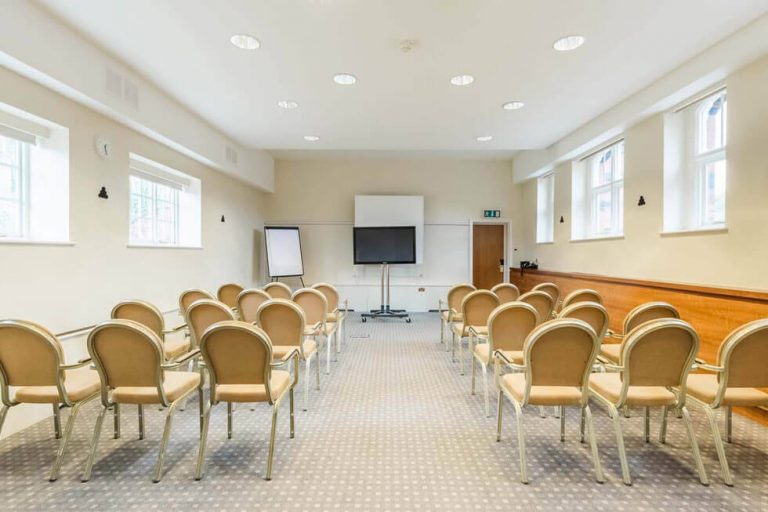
713 312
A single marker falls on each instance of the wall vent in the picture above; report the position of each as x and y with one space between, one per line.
131 93
114 83
122 88
231 155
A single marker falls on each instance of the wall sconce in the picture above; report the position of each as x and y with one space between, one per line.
641 202
222 219
562 220
103 193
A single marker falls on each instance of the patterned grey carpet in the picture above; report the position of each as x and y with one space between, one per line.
393 428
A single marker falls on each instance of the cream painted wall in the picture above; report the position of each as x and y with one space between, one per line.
67 287
733 259
318 195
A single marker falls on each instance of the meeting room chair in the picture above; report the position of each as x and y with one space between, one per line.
540 300
553 290
278 290
593 313
204 313
150 316
507 292
655 358
285 324
508 326
557 361
315 308
335 314
228 293
32 362
239 359
248 303
637 316
450 310
582 295
130 360
187 297
475 310
734 381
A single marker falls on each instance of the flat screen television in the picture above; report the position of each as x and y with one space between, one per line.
390 244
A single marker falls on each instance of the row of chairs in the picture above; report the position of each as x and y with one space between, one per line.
248 343
563 353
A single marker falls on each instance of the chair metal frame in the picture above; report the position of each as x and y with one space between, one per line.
341 316
328 337
459 337
571 297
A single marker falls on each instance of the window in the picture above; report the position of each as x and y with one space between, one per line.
695 140
598 194
545 209
14 188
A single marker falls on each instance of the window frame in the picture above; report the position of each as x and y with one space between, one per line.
700 159
614 186
154 220
548 210
22 199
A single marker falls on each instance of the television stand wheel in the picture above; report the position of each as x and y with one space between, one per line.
365 319
408 320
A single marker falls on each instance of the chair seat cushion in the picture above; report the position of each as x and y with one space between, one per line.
611 351
175 347
175 385
247 393
608 385
455 318
280 351
78 384
514 384
704 386
483 353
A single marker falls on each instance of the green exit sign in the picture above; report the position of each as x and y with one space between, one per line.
492 213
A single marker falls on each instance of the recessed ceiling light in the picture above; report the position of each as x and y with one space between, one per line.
245 42
311 138
345 79
568 43
462 79
289 105
513 105
484 138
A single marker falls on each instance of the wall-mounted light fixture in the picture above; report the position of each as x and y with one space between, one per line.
562 220
222 219
103 193
641 202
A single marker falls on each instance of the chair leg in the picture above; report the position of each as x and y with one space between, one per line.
229 420
461 354
663 429
117 421
164 442
328 343
614 413
542 411
453 346
272 442
729 424
485 390
56 421
3 414
141 421
94 445
581 426
647 429
561 410
500 408
442 331
474 371
63 444
587 413
521 443
203 441
626 411
712 417
307 366
317 371
200 406
694 447
290 403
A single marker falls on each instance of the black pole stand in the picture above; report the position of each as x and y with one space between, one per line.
385 311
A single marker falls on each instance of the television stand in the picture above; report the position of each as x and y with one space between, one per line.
385 311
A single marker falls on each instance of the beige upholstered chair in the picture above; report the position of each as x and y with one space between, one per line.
475 310
742 368
278 290
285 324
540 300
131 364
187 297
637 316
204 313
239 359
553 290
334 313
508 326
150 316
582 295
558 358
32 362
228 293
655 357
593 313
507 292
315 308
450 311
248 303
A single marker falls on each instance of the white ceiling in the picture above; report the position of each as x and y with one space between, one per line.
403 101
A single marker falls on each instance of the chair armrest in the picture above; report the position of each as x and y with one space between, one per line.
82 362
611 334
503 358
706 366
614 367
184 359
476 334
175 329
293 354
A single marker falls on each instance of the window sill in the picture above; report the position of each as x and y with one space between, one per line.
545 243
597 238
151 246
22 241
697 231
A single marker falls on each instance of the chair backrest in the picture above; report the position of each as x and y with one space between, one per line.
510 324
127 353
550 288
582 295
331 295
659 353
456 295
744 355
248 303
477 307
540 300
187 297
648 311
143 312
591 312
507 292
228 294
313 303
283 321
278 290
204 313
560 353
30 355
237 353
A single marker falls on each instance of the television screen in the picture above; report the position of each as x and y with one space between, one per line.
391 244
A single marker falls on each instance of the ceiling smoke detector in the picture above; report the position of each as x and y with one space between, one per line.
408 45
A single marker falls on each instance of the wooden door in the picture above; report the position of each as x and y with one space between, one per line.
487 255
